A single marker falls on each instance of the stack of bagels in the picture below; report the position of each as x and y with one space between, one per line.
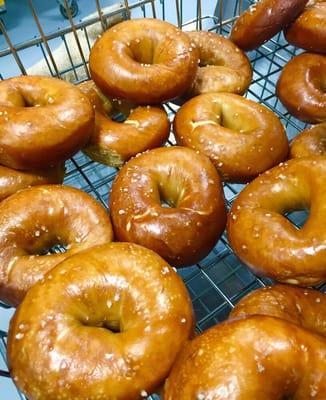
110 318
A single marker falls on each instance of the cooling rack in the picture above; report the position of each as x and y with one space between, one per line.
218 282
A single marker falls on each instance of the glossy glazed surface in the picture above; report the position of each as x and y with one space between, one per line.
303 307
309 143
113 143
35 219
187 229
302 87
263 20
12 180
223 66
257 357
106 324
269 243
308 31
147 61
242 138
43 121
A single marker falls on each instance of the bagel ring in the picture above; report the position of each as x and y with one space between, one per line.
223 66
119 303
308 31
309 143
43 121
265 240
303 307
263 20
55 214
302 87
242 138
12 180
187 230
113 143
146 61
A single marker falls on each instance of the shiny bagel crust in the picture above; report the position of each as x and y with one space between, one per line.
96 327
309 143
303 307
34 220
302 87
308 31
242 138
263 20
223 66
265 240
147 61
187 230
43 121
12 180
256 357
114 143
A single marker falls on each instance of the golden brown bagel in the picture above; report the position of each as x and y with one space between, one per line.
34 220
257 357
263 20
106 324
223 66
308 31
265 240
309 143
12 180
43 121
186 231
113 143
147 61
304 307
302 88
242 138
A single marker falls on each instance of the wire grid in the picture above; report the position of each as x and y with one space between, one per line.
218 282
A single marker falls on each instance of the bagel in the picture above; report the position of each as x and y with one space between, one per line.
265 240
12 180
145 60
309 143
95 327
113 143
187 230
308 31
242 138
35 219
223 67
43 121
263 20
301 87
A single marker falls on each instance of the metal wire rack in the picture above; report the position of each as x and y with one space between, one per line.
220 280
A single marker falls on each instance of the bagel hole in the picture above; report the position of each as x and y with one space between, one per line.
297 217
113 326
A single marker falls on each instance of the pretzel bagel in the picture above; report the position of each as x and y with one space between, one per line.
34 220
43 121
12 180
308 31
255 357
309 143
303 307
147 61
265 240
188 229
98 325
263 20
242 138
223 66
113 143
302 87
